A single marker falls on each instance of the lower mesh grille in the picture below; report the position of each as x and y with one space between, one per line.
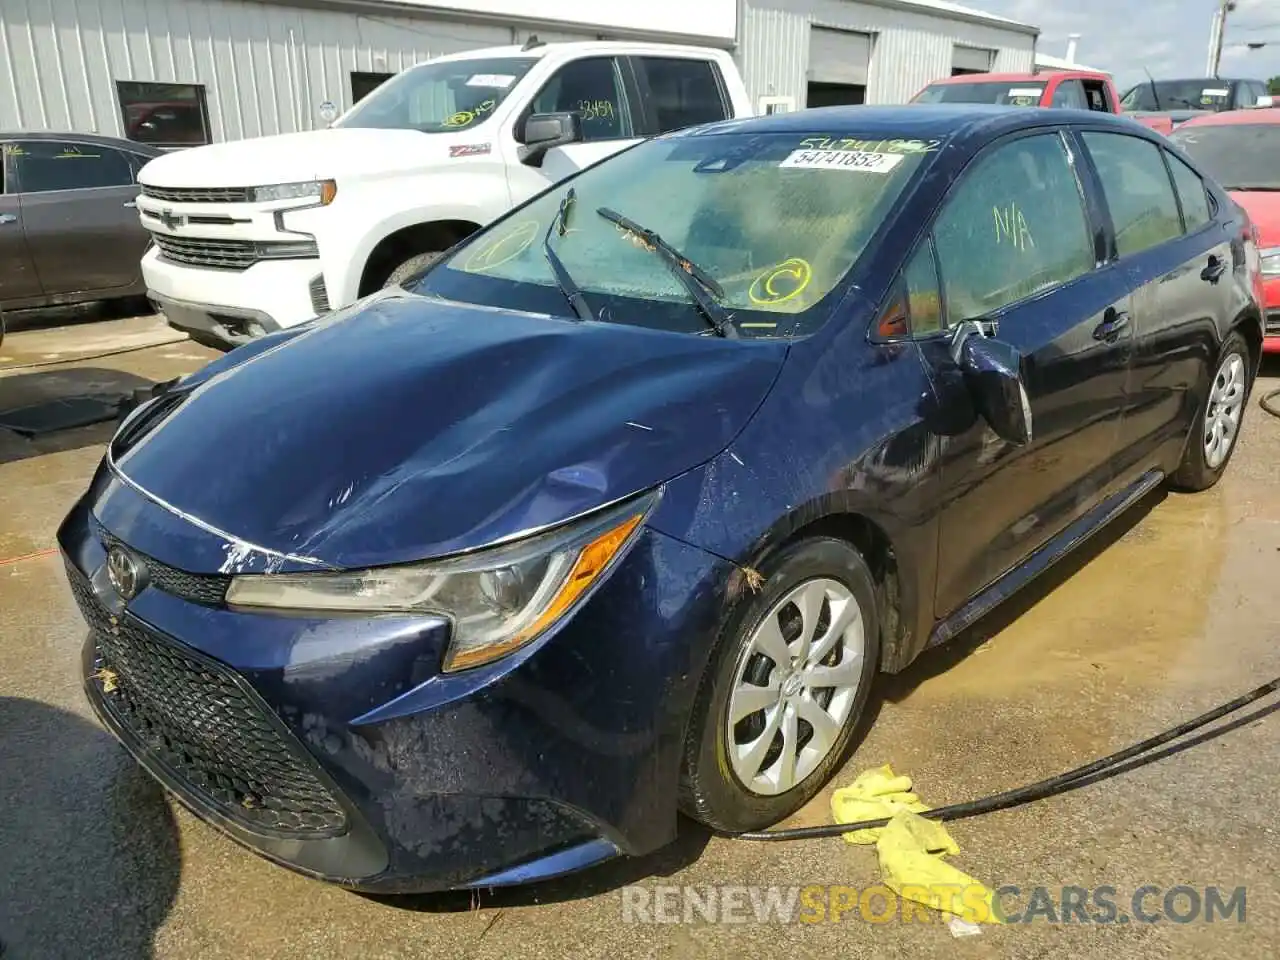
319 295
211 731
1273 323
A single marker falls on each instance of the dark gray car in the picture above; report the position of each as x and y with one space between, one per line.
69 230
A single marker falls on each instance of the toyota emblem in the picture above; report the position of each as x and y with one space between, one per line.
124 572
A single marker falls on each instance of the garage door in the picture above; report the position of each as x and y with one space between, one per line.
971 59
838 56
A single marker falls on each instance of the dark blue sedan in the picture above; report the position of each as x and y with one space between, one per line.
620 507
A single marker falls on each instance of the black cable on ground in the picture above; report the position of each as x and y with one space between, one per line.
1122 761
1268 403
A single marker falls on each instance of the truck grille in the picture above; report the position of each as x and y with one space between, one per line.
199 252
198 194
205 727
1272 324
319 295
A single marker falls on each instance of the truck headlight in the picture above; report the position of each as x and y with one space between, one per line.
324 190
1270 261
497 599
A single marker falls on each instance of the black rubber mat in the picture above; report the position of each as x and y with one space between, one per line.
64 413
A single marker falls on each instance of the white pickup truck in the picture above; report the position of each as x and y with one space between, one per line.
258 235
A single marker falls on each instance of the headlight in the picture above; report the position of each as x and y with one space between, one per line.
1270 261
325 190
497 599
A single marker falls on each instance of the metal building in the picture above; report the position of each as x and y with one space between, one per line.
798 53
185 72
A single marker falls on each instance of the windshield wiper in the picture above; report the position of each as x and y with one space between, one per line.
704 289
572 292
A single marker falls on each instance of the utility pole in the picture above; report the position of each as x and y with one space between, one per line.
1216 33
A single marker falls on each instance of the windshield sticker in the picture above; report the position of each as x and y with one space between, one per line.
470 149
1025 92
842 160
873 146
499 80
1216 93
1024 101
780 283
596 109
466 117
1011 227
493 252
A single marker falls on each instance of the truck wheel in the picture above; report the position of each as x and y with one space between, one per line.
411 267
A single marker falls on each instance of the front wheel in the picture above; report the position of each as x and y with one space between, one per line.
786 685
1217 427
411 267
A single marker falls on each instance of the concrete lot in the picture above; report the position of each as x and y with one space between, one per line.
1166 617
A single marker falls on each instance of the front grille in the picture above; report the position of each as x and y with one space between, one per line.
200 252
319 295
206 589
207 728
1272 325
198 194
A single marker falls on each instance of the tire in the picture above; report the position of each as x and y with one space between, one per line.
1203 462
415 264
716 787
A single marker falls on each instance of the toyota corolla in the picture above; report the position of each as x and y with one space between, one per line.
620 507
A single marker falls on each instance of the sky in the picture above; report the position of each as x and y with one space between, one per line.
1122 36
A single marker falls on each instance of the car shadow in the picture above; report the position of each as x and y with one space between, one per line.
89 854
62 399
691 839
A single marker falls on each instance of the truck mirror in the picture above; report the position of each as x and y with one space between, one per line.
543 131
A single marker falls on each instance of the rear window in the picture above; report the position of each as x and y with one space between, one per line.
1017 94
1240 156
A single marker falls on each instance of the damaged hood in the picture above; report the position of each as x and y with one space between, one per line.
410 428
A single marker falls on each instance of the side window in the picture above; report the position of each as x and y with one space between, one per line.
683 92
1195 202
46 165
593 88
1095 92
1015 226
1139 194
1070 95
165 114
924 305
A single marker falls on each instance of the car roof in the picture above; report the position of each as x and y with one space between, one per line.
917 121
541 50
96 138
1020 77
1257 115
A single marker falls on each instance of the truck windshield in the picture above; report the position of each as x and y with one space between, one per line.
440 97
775 222
1240 156
1010 94
1178 95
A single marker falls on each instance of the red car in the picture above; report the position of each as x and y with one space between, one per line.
1241 150
1072 89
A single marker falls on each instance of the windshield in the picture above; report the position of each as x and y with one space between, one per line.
775 220
1212 95
439 97
1015 94
1240 156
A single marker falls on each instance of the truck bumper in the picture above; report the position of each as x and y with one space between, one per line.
224 308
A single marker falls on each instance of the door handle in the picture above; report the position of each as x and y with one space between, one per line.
1113 324
8 218
1215 269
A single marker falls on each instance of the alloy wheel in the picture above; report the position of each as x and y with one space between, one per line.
1226 403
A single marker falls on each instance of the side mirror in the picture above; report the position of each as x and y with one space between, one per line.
993 374
543 131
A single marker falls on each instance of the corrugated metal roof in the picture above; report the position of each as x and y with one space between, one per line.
969 13
1046 62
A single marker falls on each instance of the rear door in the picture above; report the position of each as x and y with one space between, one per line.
79 216
18 280
1179 261
1016 243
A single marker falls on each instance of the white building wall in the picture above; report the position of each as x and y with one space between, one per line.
267 67
911 48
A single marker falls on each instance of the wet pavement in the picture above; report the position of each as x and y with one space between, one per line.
1162 618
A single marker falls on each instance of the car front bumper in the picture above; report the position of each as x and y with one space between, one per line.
337 748
225 308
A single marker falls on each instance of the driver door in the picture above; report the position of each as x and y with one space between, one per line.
601 90
1014 244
